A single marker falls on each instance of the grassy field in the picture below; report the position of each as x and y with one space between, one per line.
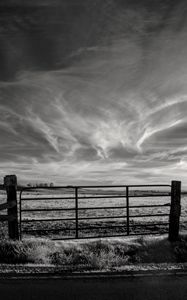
67 228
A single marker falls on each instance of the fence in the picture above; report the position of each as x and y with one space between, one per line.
78 222
10 184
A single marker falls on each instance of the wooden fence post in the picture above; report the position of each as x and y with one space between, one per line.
175 211
10 183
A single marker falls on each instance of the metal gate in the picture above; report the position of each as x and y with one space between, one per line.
67 212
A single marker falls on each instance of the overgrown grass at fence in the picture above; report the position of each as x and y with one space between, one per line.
97 254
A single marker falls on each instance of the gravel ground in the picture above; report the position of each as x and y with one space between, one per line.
30 269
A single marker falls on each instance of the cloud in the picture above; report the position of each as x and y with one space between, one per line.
99 98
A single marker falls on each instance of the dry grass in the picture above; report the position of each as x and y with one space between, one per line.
98 254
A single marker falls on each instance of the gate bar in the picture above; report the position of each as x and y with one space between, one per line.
127 201
20 216
76 214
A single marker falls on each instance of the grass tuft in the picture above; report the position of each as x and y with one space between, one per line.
98 254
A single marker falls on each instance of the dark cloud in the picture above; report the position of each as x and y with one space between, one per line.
42 36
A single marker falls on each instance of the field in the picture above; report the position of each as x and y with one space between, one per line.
45 224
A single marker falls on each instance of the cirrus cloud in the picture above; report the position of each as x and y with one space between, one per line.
97 96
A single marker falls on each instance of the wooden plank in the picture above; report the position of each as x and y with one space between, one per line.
10 183
7 218
7 205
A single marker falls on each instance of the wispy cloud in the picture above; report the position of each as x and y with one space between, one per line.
110 107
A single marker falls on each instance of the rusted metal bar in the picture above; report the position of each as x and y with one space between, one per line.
93 208
146 206
127 212
46 220
149 195
72 187
48 209
46 199
93 227
72 209
122 186
76 214
99 208
148 224
101 227
149 215
94 218
20 215
93 197
100 218
50 230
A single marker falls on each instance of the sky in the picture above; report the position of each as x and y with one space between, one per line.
93 92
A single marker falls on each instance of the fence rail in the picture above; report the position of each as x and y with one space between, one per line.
78 219
77 192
